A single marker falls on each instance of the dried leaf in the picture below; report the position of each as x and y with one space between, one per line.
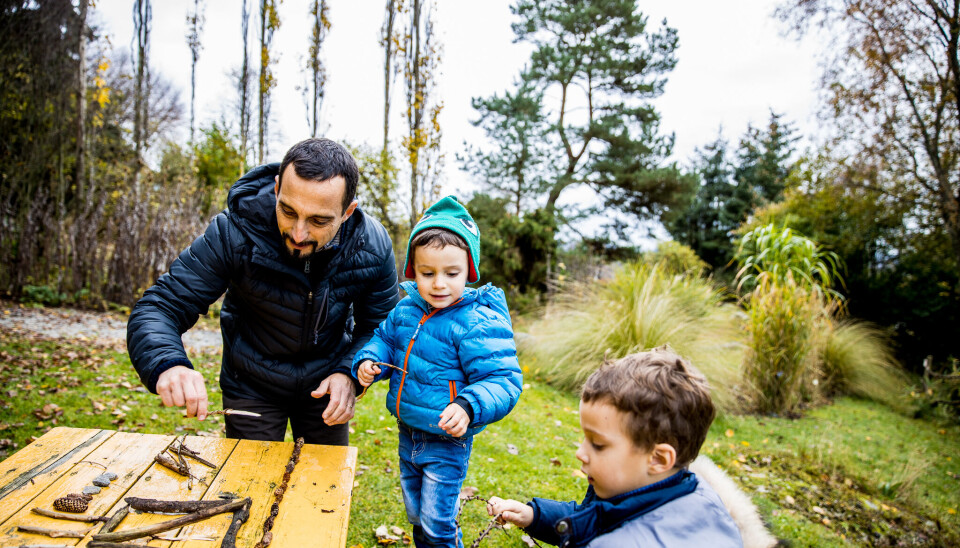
468 492
555 461
512 449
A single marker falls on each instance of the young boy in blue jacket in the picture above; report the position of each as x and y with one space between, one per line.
453 367
644 418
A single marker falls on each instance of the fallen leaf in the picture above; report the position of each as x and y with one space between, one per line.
555 461
728 433
512 449
468 492
527 540
579 473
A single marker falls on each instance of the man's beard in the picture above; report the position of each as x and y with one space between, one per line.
299 254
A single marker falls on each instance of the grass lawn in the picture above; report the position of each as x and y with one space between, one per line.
852 473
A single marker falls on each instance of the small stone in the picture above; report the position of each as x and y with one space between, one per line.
91 490
109 475
101 481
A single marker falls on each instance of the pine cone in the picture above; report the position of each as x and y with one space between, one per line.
72 503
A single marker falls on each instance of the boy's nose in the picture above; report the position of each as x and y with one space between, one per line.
581 454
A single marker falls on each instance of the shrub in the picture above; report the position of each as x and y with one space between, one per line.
783 324
676 258
857 359
643 307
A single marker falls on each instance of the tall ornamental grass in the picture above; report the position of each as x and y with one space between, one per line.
857 359
643 307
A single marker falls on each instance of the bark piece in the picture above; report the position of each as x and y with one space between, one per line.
171 506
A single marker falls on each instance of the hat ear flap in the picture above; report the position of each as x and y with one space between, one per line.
472 274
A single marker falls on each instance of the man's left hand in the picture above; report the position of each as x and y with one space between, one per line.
342 398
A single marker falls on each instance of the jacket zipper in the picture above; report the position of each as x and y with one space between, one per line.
406 358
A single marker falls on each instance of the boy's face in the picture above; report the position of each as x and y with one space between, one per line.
440 273
611 461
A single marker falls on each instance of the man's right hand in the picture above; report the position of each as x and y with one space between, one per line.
179 386
367 372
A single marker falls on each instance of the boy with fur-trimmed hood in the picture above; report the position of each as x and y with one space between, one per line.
452 367
644 418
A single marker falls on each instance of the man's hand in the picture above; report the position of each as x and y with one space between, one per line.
367 372
342 398
511 511
454 420
179 386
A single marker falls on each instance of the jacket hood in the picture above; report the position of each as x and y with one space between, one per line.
252 203
487 295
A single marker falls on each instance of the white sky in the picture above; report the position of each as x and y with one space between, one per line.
734 66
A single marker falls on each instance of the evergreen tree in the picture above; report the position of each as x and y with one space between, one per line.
765 159
604 66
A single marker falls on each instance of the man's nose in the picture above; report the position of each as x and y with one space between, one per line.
299 231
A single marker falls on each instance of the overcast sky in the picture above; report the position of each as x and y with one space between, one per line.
734 66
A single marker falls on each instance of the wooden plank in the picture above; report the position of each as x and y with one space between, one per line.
316 507
164 484
126 454
32 469
254 469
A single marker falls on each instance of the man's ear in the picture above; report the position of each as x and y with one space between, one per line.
276 186
662 458
350 209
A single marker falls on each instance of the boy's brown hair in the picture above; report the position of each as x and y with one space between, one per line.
436 237
665 399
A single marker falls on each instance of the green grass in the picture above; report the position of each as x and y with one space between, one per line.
891 461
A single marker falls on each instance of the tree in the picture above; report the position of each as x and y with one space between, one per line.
194 28
765 159
422 143
243 83
320 12
894 89
605 66
390 40
269 23
720 205
81 150
142 20
517 167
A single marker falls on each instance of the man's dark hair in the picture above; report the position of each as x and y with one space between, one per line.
322 159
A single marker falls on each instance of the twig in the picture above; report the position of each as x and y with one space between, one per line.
42 546
267 537
93 463
493 522
171 524
101 544
239 518
381 364
115 519
64 515
171 506
168 462
53 532
194 455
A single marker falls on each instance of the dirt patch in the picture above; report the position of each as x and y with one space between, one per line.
100 327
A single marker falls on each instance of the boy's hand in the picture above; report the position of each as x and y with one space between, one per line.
367 372
454 420
511 511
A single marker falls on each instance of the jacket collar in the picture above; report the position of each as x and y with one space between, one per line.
595 516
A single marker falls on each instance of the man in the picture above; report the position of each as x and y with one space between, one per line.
308 277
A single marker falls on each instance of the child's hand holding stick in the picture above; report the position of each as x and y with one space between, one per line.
367 372
511 511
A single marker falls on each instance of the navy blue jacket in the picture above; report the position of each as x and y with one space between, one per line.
284 329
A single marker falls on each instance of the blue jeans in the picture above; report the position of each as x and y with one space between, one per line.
432 470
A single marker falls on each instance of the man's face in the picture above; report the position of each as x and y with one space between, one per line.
309 213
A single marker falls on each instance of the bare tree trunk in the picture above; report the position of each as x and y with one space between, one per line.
244 85
415 113
388 69
80 171
195 27
142 14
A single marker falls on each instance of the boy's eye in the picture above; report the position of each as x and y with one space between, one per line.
597 446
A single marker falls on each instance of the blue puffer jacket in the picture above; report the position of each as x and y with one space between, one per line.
464 350
284 330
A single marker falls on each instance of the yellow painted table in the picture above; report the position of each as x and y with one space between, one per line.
314 512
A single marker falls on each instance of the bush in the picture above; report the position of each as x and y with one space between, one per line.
643 307
857 359
783 324
676 258
42 294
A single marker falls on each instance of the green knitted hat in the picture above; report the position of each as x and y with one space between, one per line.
450 215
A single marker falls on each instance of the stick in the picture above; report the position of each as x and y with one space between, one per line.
98 544
63 515
239 518
115 519
278 496
171 506
171 524
164 460
42 546
195 456
53 532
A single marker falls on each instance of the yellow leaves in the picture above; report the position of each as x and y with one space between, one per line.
745 443
579 474
728 433
951 511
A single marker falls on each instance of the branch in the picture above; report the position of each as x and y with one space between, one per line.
239 518
53 532
115 519
171 524
63 515
171 506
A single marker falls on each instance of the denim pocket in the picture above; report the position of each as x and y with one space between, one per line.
460 442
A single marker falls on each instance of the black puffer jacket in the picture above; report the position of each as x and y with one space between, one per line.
284 330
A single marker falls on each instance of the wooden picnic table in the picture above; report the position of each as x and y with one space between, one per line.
314 511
